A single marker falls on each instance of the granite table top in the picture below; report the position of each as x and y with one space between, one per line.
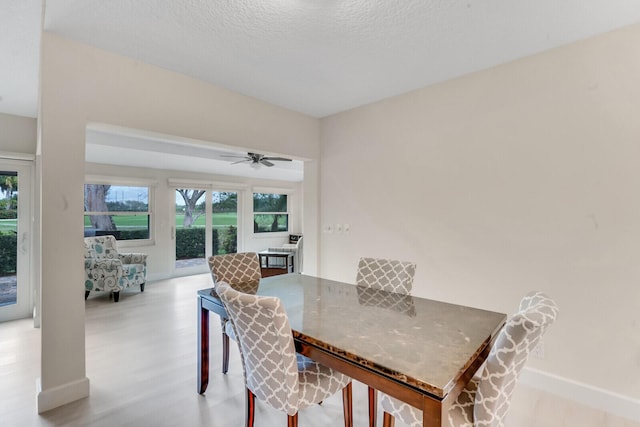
423 343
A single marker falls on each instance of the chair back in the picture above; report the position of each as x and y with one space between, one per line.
520 335
241 270
387 275
101 247
266 345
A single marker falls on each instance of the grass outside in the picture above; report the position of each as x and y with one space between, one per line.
8 225
133 221
125 222
219 220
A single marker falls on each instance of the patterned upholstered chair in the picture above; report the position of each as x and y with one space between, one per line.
273 371
484 402
242 272
387 276
108 270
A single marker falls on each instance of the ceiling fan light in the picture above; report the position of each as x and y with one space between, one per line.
255 165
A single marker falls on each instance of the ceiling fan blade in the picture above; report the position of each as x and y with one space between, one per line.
279 159
256 159
234 156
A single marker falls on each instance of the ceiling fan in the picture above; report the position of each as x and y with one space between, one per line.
256 159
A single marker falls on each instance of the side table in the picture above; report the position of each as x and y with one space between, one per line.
274 263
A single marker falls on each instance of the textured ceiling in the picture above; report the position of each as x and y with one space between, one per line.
318 57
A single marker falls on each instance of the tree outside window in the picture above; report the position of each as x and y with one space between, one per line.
118 210
270 213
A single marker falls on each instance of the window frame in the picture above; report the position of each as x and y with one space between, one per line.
277 191
120 182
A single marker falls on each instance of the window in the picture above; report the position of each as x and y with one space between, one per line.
119 210
270 213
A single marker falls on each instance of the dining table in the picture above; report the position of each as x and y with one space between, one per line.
418 350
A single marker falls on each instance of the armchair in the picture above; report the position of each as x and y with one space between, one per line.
108 270
295 247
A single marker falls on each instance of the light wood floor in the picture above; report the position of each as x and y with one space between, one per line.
142 366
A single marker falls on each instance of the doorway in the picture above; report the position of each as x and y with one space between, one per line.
206 223
15 239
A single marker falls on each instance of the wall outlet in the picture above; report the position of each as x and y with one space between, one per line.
538 351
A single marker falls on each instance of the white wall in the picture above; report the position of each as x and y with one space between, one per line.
17 134
160 253
81 84
525 176
520 177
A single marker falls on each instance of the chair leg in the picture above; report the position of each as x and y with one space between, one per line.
347 405
373 407
251 408
388 420
86 294
292 420
225 352
116 296
141 287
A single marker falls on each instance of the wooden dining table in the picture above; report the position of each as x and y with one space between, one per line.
418 350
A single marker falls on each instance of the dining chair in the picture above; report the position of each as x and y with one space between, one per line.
386 274
273 371
484 401
389 276
242 272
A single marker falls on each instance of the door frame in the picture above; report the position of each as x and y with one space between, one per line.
209 189
24 273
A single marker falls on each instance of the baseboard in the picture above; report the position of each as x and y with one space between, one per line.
595 397
61 395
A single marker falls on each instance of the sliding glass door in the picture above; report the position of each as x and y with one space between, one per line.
15 237
190 232
224 211
206 224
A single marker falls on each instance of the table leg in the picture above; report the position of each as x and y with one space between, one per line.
373 406
203 347
432 413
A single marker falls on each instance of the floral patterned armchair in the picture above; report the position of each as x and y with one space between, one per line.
108 270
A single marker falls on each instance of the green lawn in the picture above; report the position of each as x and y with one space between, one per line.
123 222
219 220
8 225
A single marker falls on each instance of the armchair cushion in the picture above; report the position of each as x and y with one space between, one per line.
102 274
107 269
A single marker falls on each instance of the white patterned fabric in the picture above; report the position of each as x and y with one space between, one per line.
241 270
107 269
484 402
273 372
387 275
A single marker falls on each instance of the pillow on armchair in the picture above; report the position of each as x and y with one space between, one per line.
108 270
